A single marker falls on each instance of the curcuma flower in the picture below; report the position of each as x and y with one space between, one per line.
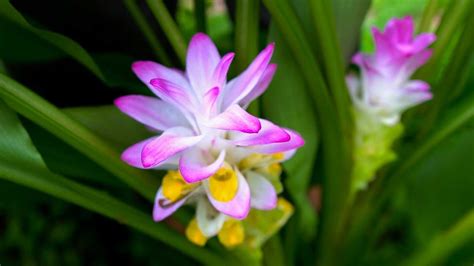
385 89
383 92
220 157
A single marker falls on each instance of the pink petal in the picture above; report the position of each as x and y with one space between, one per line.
422 41
261 86
210 100
220 72
201 60
235 118
241 86
239 206
173 93
148 70
171 142
150 111
295 142
269 133
164 208
263 193
194 167
133 154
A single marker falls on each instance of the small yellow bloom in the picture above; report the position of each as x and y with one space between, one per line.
273 170
232 233
174 186
194 234
224 184
278 156
250 161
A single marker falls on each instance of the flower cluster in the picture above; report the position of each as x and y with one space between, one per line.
385 89
219 157
383 92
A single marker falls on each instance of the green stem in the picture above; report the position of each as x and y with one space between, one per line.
453 17
336 148
110 207
428 16
147 31
246 32
246 38
273 254
169 27
453 78
324 23
445 244
41 112
200 15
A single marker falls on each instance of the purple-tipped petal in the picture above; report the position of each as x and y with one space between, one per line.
148 70
150 111
220 72
236 118
263 194
164 208
239 206
171 142
422 42
194 168
201 60
210 100
241 86
133 154
269 133
261 86
295 142
172 93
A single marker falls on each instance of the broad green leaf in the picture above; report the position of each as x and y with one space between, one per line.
63 44
285 103
20 41
22 164
120 131
110 124
75 134
438 189
65 160
349 15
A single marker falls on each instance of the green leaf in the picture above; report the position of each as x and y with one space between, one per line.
21 163
438 189
147 31
23 42
171 30
63 44
349 15
337 146
285 103
445 243
121 131
247 17
70 131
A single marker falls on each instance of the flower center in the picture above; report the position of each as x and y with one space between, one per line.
194 234
223 184
232 233
174 186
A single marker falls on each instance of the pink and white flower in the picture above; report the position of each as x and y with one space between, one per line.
385 89
206 133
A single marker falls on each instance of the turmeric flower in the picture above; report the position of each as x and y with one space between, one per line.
385 89
221 157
